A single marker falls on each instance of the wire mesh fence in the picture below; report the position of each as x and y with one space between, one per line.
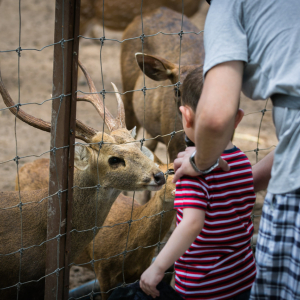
25 81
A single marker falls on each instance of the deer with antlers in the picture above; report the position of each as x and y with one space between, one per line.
163 52
118 165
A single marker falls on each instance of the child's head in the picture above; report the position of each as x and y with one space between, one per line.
192 88
191 92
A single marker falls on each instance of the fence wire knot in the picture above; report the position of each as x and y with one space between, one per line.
62 43
102 39
180 34
18 50
100 144
98 186
173 134
142 142
18 106
144 89
103 93
54 150
21 250
16 159
61 97
19 286
57 272
20 205
263 111
95 230
142 37
177 85
92 263
58 237
256 150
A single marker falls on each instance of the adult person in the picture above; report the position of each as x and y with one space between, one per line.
253 46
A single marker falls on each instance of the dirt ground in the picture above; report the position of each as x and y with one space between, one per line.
35 73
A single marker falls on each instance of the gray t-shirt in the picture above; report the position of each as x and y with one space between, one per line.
265 34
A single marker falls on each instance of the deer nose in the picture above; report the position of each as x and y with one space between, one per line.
159 178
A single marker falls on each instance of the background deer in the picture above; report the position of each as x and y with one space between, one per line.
111 240
119 13
118 165
160 64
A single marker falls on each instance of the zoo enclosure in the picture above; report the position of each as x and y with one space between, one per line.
63 140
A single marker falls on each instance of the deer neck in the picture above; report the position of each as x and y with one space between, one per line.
155 206
90 207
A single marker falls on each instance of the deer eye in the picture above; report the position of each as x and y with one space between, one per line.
114 161
170 172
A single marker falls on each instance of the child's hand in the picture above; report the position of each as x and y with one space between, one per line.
150 279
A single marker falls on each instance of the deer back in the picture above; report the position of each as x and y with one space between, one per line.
119 13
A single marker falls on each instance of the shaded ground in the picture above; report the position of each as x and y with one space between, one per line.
35 73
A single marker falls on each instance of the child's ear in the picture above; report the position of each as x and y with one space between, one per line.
188 115
238 118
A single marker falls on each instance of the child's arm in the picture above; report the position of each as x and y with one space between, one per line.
181 239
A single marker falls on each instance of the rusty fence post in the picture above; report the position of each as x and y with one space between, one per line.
65 65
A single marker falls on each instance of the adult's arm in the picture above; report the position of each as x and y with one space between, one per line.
262 172
215 117
216 111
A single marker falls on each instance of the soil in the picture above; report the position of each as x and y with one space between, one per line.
34 70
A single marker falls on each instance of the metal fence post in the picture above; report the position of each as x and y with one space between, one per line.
65 64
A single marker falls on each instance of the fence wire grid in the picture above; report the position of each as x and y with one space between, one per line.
17 158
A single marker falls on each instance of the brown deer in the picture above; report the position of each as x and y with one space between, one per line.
118 165
119 13
160 64
146 230
111 239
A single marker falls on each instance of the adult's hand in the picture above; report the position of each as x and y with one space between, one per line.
182 165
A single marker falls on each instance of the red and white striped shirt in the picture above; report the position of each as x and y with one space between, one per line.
219 264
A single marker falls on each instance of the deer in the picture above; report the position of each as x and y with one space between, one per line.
118 165
118 14
160 62
101 254
146 230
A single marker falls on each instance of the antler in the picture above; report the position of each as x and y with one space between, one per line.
82 131
111 122
121 110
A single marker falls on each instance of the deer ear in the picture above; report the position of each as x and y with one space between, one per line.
157 68
148 153
133 132
81 157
